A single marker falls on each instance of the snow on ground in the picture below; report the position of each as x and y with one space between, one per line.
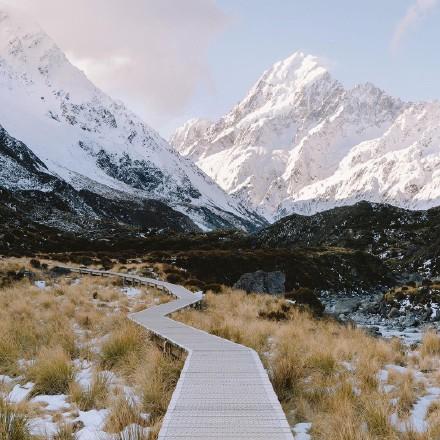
20 392
301 431
131 291
417 418
84 374
93 421
6 379
408 336
52 403
420 410
43 426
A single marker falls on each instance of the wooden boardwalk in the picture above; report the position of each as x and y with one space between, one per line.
224 392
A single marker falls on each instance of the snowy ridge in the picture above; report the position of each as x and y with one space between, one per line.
301 142
86 138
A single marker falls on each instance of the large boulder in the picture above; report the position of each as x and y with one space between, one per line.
346 306
262 282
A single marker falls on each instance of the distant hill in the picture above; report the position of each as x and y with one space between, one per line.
407 240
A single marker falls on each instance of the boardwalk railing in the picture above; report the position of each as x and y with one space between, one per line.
224 392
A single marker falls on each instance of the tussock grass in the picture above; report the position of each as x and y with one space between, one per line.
13 423
123 414
64 432
134 432
157 380
322 372
44 332
94 396
430 344
121 344
52 371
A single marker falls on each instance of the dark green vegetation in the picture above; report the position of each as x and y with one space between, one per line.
408 241
338 269
352 248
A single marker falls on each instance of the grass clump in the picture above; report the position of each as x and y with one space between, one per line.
92 397
52 372
13 424
157 381
64 432
323 372
430 344
123 413
121 344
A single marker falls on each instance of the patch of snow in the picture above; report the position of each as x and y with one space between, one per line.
20 392
417 418
52 403
301 431
84 374
6 379
408 336
93 421
131 291
420 410
43 426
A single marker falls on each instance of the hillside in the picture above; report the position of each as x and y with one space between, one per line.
82 148
406 240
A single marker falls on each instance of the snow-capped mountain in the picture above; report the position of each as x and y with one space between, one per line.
80 136
301 142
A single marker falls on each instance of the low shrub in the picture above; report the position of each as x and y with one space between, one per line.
307 297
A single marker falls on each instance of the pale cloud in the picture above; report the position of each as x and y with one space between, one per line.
417 11
150 53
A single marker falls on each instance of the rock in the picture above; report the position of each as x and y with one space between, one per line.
373 331
394 313
425 315
262 282
410 321
346 306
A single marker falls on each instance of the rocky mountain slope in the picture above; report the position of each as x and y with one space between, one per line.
408 241
64 142
301 142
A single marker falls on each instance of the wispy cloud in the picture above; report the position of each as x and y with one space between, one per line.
416 12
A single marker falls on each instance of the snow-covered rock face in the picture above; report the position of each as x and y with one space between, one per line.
89 140
301 142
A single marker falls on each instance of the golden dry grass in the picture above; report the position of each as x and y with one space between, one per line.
323 372
13 423
94 396
430 344
43 331
52 372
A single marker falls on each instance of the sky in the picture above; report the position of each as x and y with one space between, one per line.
171 60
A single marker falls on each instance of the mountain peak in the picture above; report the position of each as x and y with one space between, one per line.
90 141
297 69
15 24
